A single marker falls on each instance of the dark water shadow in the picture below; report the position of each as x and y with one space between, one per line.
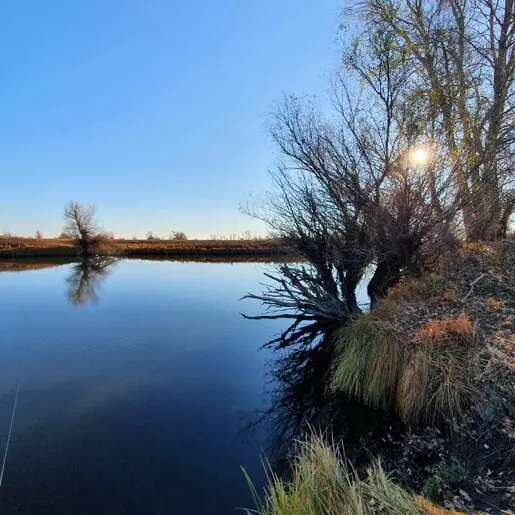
303 402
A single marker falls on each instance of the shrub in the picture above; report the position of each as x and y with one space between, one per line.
178 236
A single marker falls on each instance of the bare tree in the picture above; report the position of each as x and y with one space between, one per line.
351 196
82 227
39 234
178 236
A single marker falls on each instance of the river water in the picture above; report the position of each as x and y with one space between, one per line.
137 382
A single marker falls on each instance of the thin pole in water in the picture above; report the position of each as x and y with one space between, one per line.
9 435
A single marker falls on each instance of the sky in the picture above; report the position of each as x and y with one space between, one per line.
155 111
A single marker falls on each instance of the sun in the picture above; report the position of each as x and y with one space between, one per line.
419 156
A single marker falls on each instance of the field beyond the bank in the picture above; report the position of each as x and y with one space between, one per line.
15 247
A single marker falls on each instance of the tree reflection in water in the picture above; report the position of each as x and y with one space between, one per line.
85 278
302 400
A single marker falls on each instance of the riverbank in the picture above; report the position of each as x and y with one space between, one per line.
58 247
439 351
432 368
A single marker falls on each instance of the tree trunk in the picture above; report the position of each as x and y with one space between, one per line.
349 285
386 275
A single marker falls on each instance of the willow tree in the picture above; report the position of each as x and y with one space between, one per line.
463 52
351 194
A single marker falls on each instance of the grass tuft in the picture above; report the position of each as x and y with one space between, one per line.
370 360
430 378
445 475
448 330
323 484
439 379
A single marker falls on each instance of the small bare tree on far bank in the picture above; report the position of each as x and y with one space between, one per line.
39 235
178 236
82 227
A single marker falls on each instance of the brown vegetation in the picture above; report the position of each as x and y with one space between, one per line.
439 351
458 330
428 354
13 247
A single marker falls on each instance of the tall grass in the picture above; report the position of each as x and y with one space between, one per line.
323 484
440 377
427 377
370 360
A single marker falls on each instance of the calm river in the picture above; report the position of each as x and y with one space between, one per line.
136 384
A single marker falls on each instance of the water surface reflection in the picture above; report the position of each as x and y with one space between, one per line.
134 404
302 400
85 277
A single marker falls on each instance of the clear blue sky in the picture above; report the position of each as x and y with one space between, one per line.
153 110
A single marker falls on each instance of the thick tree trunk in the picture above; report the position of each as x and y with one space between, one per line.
349 285
386 275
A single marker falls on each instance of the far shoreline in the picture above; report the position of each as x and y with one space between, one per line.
22 248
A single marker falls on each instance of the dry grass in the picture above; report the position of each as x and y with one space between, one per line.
32 247
36 247
455 330
438 384
431 509
429 287
494 304
323 484
439 379
426 377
